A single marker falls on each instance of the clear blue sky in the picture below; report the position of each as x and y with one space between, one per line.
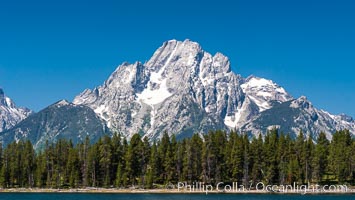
50 50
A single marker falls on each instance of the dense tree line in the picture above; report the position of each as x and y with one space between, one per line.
217 156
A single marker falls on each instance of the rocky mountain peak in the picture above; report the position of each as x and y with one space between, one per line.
183 89
187 52
10 114
301 102
157 95
222 63
59 120
62 102
264 92
174 51
346 118
5 102
2 97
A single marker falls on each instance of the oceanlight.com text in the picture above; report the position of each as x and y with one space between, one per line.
221 187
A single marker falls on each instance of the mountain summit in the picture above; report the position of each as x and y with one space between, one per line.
10 114
183 90
59 120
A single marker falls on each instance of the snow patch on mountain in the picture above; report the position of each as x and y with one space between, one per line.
299 115
235 121
62 103
264 92
157 90
183 90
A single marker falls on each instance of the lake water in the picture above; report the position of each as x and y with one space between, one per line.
76 196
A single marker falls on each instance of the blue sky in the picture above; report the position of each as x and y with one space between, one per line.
52 50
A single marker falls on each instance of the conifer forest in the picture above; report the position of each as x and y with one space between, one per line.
113 162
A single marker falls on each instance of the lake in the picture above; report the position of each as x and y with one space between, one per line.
76 196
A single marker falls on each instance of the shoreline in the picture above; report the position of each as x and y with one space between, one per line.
163 191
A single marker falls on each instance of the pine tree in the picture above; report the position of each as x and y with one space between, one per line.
196 153
309 154
117 156
300 150
41 170
84 161
320 159
187 171
94 167
134 160
214 157
352 164
73 168
152 167
257 159
283 157
180 152
2 178
163 146
105 155
5 169
119 175
125 148
235 157
340 154
169 161
246 159
29 164
293 170
271 161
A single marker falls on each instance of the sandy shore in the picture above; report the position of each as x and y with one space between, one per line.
163 191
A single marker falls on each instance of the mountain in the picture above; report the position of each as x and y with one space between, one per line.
10 115
299 115
264 93
183 90
60 120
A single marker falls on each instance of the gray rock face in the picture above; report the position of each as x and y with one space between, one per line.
181 89
264 93
10 114
60 120
184 90
299 115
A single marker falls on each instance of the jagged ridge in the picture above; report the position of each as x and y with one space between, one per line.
60 120
10 114
183 90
